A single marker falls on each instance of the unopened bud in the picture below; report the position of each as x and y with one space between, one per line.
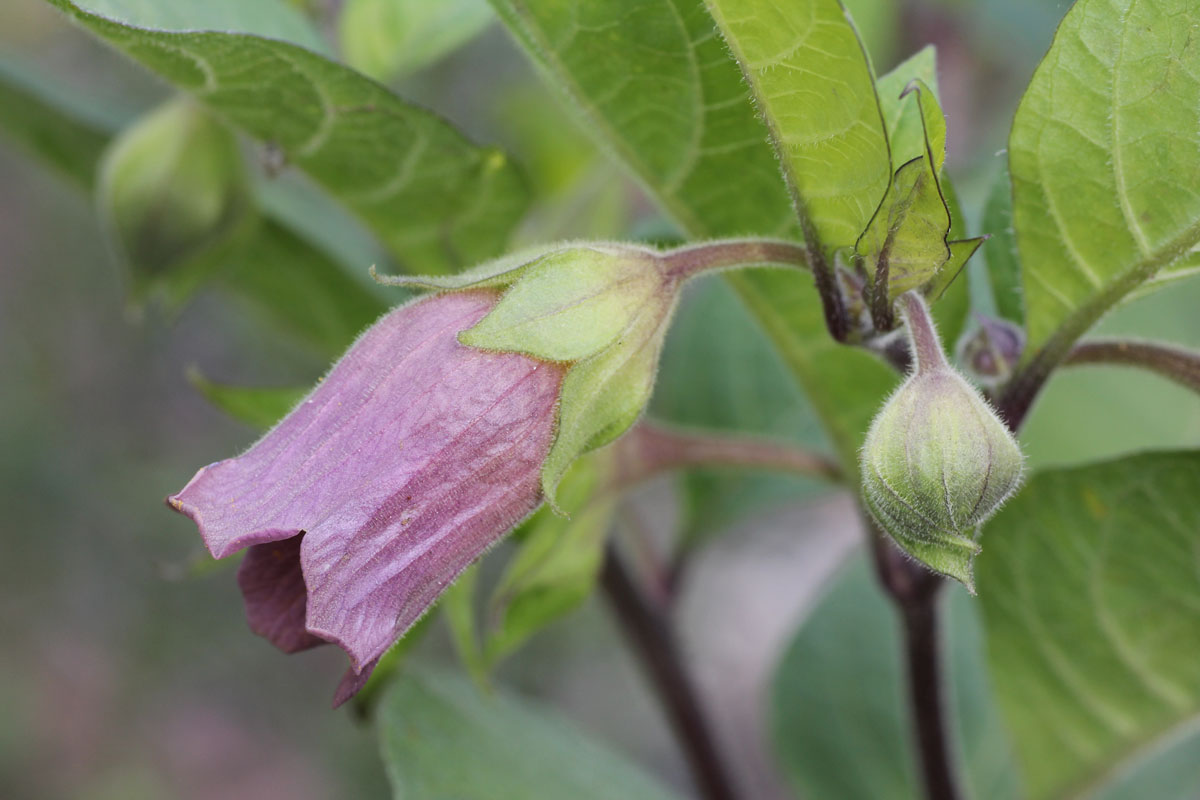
992 350
937 461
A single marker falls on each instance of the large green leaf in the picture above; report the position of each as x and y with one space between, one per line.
814 87
631 68
437 200
441 738
840 718
656 84
1105 161
1091 598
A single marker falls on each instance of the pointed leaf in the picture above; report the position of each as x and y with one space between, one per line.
1105 160
434 198
1003 260
1092 602
814 88
388 39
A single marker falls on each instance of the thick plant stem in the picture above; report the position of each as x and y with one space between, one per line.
926 686
650 634
916 594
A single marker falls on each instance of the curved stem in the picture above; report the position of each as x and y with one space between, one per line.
685 262
649 632
1176 364
649 450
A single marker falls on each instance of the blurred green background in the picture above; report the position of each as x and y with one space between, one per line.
127 670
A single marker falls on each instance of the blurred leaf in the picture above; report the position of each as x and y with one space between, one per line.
174 197
460 605
558 560
719 371
660 92
258 407
273 19
1105 160
441 738
1092 603
36 116
388 39
814 87
879 26
840 719
436 200
297 288
1003 260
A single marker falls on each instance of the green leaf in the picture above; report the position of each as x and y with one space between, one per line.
814 88
282 277
436 200
660 92
902 113
299 289
459 603
50 126
558 560
174 197
840 715
1092 602
904 245
258 407
388 39
1003 260
1105 161
440 738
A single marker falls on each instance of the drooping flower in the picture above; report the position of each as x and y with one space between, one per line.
413 456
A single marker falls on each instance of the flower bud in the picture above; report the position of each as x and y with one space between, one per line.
173 191
937 461
992 350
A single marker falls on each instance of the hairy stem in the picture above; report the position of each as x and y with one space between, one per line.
649 450
650 634
1177 364
685 262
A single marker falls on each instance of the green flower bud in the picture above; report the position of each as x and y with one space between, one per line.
937 461
173 193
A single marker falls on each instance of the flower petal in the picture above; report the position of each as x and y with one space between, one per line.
412 457
272 586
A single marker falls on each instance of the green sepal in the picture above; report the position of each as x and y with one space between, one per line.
902 114
952 554
570 304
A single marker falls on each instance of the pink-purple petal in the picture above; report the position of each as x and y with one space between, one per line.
413 456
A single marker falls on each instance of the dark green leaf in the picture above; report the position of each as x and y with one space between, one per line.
1105 161
435 199
441 738
1092 602
814 87
840 719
